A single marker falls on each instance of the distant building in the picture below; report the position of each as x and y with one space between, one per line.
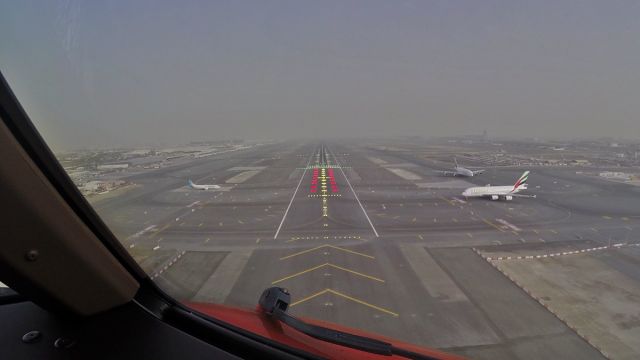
113 166
615 175
580 162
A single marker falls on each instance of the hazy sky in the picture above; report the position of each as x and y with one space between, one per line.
104 73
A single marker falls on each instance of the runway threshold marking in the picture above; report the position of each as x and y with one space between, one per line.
354 194
345 296
329 246
327 265
292 197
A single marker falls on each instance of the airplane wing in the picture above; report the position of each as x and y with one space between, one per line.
523 195
446 173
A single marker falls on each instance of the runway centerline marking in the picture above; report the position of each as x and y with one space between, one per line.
354 194
293 197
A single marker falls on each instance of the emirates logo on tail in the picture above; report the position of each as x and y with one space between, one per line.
522 180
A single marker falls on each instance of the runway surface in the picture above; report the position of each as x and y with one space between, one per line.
373 239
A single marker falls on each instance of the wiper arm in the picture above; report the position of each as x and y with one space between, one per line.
274 301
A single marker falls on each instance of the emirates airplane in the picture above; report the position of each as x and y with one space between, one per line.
461 171
500 192
202 187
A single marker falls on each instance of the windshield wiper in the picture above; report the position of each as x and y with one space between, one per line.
275 301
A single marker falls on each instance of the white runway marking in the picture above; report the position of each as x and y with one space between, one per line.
354 194
293 197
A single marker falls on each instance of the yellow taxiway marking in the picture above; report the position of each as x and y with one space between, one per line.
327 265
448 201
325 246
493 225
345 296
160 230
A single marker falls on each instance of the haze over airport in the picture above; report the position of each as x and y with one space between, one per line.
121 74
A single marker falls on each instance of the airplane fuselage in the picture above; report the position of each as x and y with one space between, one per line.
460 171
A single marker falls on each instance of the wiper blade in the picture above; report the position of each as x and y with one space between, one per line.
274 301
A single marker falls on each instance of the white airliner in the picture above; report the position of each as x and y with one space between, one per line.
202 187
461 171
500 192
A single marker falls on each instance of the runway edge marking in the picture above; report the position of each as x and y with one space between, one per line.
293 197
354 194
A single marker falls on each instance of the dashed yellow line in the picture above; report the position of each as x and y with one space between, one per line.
345 296
328 265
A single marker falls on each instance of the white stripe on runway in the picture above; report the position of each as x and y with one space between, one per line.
354 194
294 195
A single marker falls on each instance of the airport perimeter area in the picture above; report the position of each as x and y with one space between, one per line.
370 235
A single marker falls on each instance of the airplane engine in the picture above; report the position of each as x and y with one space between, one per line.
494 197
508 197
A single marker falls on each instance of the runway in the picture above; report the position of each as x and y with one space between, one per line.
373 239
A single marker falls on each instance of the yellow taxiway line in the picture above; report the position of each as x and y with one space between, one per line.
345 296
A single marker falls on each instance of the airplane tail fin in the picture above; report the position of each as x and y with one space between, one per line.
190 183
455 161
522 180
